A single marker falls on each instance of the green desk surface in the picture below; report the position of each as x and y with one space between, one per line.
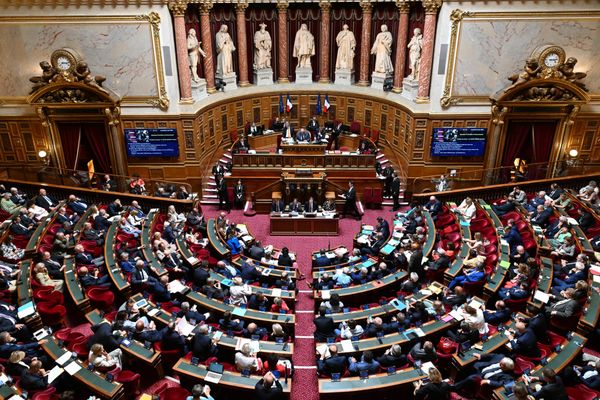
592 308
378 381
215 240
266 347
161 318
493 343
72 283
275 273
34 240
367 287
7 391
231 379
457 265
544 279
429 328
147 244
288 320
24 291
431 233
114 270
287 295
367 263
93 380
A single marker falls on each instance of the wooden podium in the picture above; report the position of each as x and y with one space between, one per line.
303 148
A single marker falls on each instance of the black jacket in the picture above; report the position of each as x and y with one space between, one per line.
325 327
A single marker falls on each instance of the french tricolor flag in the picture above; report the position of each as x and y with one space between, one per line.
288 104
326 104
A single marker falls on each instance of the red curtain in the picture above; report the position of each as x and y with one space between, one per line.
542 140
517 135
70 139
95 135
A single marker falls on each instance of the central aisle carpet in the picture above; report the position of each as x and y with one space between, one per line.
304 384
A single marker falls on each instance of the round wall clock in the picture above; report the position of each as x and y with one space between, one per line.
549 56
64 60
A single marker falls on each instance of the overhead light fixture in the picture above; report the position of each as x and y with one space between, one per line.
573 153
42 153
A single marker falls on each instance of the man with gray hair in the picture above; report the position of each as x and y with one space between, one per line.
493 370
203 346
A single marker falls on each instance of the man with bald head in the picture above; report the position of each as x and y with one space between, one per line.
86 279
264 389
332 363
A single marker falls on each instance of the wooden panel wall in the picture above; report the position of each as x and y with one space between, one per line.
20 141
585 137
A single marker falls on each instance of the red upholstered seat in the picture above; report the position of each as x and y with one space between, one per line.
54 228
377 197
555 339
101 298
46 394
582 392
169 357
355 127
51 314
130 381
63 334
49 295
81 349
453 237
516 305
474 288
444 220
511 215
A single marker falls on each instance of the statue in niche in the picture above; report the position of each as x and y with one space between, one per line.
225 48
262 48
194 53
346 45
304 47
382 48
415 46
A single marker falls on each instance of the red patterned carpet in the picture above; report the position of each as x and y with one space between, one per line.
304 386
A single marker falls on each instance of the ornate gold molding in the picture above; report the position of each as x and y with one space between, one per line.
366 6
431 6
456 16
282 5
325 5
162 101
178 8
241 6
205 6
403 6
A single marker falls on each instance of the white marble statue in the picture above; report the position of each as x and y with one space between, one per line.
346 43
304 47
414 53
382 48
262 48
194 52
225 48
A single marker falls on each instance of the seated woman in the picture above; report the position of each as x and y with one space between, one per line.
17 364
475 318
268 259
436 388
246 360
234 244
278 334
11 252
478 243
559 237
566 248
157 238
42 277
279 305
466 209
135 219
99 358
172 214
334 304
36 212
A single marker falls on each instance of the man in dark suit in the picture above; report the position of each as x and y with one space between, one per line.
242 145
454 297
239 194
388 173
46 202
499 316
310 206
303 135
277 205
277 124
334 364
434 206
396 191
585 220
88 280
523 342
17 197
264 389
190 314
88 233
76 205
161 292
148 334
18 228
325 327
295 206
313 125
553 387
254 130
541 216
322 260
350 203
114 208
104 335
440 261
335 135
415 263
203 346
141 275
494 370
383 227
512 235
34 379
564 308
101 222
172 340
506 207
223 195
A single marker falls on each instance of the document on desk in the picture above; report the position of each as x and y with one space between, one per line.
73 368
276 292
212 377
175 286
192 260
456 315
153 312
240 312
325 294
541 296
184 327
62 360
54 373
26 310
347 346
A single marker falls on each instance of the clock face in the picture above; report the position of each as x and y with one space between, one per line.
63 63
551 60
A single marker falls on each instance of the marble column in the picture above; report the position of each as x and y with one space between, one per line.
365 43
183 62
209 66
401 43
431 9
242 43
324 42
282 49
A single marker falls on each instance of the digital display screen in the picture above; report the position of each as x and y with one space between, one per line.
462 142
151 142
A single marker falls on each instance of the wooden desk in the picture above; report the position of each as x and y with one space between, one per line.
232 381
25 295
331 161
146 241
114 269
313 226
375 382
303 148
215 240
74 287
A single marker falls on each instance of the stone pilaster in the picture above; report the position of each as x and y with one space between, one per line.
183 63
282 49
401 43
209 63
325 41
365 42
431 10
242 43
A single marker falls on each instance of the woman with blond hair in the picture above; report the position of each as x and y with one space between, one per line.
435 389
42 277
99 358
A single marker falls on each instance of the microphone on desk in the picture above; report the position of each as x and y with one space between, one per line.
285 368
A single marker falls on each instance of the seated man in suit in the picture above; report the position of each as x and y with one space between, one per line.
564 308
541 216
576 274
277 205
311 205
322 260
303 136
493 370
88 280
277 124
319 137
523 341
242 145
148 333
287 131
76 205
434 206
331 362
506 207
295 206
18 228
254 130
440 262
499 316
141 275
512 235
552 388
366 363
46 202
203 346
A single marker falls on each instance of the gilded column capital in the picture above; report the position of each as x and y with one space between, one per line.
282 5
325 5
241 6
403 6
366 6
432 6
205 6
178 7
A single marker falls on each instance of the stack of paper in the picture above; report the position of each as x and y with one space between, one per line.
541 296
184 327
73 368
26 310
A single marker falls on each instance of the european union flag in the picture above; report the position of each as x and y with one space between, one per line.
318 112
281 109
